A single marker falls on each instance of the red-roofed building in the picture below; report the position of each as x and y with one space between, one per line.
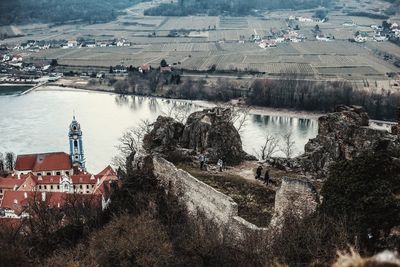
57 163
51 177
15 203
9 184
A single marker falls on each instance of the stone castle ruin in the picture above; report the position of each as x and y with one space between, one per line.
343 134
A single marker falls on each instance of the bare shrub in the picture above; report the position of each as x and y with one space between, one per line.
312 240
287 146
268 148
178 111
131 241
131 142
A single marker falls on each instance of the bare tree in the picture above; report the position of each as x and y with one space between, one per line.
269 147
10 161
240 116
287 146
130 142
179 112
2 164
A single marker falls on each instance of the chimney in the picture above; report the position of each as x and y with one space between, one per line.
25 195
43 196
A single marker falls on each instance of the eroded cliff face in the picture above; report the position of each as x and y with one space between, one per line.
210 131
344 134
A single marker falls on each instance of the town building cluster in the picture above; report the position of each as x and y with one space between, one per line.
53 178
380 33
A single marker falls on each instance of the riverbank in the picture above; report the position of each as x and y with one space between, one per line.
256 110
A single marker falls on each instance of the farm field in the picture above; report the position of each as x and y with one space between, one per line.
224 43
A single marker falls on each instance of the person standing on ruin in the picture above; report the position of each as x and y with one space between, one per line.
202 160
220 164
266 177
258 172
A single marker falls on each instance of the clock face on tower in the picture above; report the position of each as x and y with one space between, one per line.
75 137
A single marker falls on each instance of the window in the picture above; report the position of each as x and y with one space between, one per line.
67 172
92 185
39 174
87 186
40 187
80 186
1 191
45 187
74 186
75 143
58 173
87 192
51 187
49 173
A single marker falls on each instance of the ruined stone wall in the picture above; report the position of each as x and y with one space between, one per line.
295 196
199 196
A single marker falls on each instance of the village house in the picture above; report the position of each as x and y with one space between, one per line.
144 68
120 69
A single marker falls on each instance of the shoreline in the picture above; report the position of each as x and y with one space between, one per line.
256 110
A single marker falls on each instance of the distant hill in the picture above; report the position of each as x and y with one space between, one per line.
230 7
60 11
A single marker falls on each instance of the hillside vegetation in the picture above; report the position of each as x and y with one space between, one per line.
229 7
53 11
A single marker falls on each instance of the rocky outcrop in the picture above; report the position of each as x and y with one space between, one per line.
164 136
295 197
210 131
343 134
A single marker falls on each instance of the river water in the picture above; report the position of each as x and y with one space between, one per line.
38 122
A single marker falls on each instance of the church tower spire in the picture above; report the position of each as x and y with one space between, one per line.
75 145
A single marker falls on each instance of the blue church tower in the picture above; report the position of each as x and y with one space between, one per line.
75 145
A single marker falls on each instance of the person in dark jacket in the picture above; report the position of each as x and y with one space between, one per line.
266 177
258 172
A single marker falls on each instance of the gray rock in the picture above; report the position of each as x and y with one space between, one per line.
344 134
164 136
209 131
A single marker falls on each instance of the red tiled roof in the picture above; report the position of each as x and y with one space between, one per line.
25 162
43 162
29 183
10 182
15 200
83 179
145 66
107 171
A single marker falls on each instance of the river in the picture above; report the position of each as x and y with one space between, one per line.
38 122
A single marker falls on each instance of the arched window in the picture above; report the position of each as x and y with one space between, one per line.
75 143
